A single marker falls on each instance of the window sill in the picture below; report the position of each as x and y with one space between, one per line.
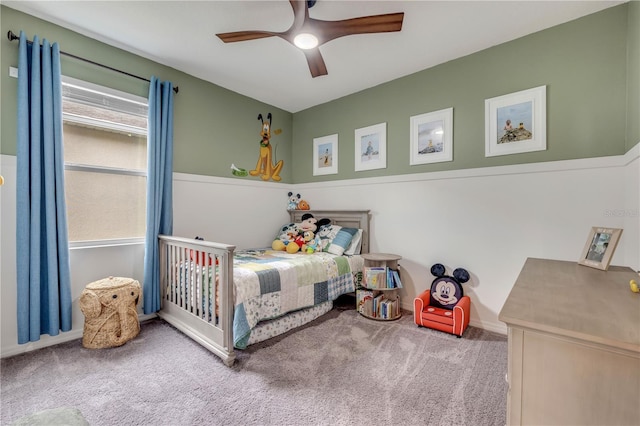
79 245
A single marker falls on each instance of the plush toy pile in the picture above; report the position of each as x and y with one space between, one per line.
296 237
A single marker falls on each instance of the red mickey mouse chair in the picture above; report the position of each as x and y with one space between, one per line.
444 306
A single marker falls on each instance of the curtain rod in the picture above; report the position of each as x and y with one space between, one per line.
11 36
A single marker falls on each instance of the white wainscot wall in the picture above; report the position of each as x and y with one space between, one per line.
240 211
486 220
490 220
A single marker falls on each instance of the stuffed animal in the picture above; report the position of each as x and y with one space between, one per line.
296 245
446 291
313 245
296 203
278 245
287 234
308 228
295 236
303 205
326 235
293 201
310 223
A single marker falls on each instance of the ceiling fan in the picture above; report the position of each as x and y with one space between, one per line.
308 33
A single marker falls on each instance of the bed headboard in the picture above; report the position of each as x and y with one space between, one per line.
345 218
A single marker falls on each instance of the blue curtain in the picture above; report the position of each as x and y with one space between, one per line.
42 249
159 186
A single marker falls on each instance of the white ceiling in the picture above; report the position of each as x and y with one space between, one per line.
181 34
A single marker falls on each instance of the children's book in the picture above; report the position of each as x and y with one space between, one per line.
375 277
396 279
364 300
377 304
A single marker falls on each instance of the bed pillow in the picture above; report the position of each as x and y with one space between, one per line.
327 233
356 244
341 242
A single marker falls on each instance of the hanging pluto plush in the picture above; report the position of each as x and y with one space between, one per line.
446 291
265 168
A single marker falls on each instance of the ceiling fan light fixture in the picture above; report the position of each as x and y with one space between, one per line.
307 33
305 41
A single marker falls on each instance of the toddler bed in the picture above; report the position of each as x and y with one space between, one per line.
226 299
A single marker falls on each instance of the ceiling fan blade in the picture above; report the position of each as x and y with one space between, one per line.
300 13
244 35
316 63
330 30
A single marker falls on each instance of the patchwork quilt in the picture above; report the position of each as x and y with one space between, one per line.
269 284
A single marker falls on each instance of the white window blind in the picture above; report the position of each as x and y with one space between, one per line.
105 149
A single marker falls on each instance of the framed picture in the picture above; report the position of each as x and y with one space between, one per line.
516 122
431 137
325 155
599 248
371 147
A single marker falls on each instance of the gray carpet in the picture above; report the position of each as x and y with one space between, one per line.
342 369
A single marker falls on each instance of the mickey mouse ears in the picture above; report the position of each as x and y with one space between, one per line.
459 274
438 270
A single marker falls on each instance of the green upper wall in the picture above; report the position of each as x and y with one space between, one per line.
213 127
583 63
591 67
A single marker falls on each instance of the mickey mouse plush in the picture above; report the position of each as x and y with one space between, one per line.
446 291
310 223
293 201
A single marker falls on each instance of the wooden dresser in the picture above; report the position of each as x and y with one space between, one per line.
574 345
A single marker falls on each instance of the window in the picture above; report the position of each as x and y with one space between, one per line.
105 155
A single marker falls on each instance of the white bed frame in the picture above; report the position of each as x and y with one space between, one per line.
216 332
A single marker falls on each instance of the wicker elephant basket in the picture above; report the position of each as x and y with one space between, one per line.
109 307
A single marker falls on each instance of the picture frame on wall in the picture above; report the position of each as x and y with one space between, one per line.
431 138
325 155
516 123
371 147
599 248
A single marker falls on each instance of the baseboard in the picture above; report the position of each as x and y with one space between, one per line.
499 328
46 341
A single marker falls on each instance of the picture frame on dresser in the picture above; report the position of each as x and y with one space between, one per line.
599 248
325 155
516 123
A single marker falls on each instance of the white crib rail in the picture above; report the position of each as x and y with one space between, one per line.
192 272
